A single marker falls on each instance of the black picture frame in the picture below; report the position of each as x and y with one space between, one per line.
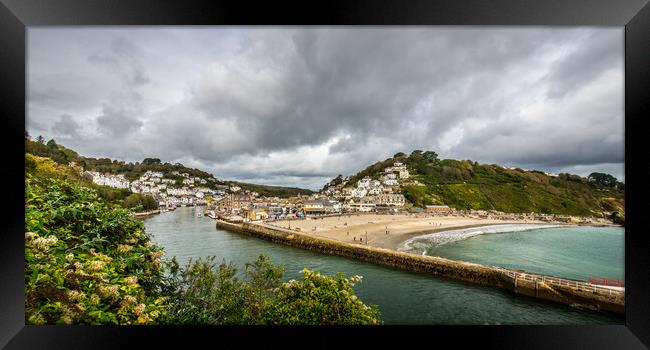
634 15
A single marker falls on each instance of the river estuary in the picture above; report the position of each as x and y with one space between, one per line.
412 298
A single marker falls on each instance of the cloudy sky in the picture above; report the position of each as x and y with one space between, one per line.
297 106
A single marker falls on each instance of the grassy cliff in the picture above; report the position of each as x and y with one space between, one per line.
465 184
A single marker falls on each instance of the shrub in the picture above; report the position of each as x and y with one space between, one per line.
85 262
204 293
319 300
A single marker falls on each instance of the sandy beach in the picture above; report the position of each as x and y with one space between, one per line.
386 231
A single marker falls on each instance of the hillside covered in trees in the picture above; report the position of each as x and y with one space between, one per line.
466 184
132 171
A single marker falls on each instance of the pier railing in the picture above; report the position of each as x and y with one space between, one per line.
556 281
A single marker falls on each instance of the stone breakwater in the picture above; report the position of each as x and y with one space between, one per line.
573 293
146 214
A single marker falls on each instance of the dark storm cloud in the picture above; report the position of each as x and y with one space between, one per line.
66 126
595 53
282 104
117 121
123 60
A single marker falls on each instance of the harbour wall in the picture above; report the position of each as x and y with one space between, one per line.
574 293
145 214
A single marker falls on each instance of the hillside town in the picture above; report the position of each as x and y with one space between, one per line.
169 192
231 203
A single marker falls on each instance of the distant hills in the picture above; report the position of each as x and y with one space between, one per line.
466 184
132 171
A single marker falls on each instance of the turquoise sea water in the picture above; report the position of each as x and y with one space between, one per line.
403 297
570 252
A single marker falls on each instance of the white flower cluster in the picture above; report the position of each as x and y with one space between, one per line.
131 281
44 243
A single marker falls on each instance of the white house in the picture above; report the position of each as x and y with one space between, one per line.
390 200
391 182
361 206
347 192
359 192
365 182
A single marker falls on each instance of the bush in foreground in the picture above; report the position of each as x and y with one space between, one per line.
88 261
204 293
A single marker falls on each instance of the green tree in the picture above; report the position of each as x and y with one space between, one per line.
151 161
430 156
602 179
204 293
319 300
138 202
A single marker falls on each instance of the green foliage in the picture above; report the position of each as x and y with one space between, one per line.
430 156
272 191
86 262
464 196
335 182
133 171
110 195
602 179
51 150
320 300
204 293
151 161
469 185
373 171
417 195
618 218
139 202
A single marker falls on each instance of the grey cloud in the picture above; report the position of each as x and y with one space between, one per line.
123 47
66 126
366 82
123 60
494 94
594 54
117 121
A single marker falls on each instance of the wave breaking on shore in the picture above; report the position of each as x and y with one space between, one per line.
421 244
